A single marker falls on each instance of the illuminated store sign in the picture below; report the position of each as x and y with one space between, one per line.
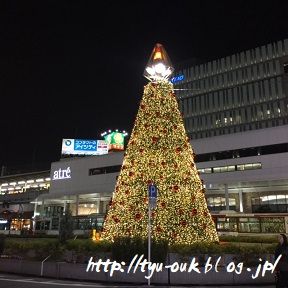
62 174
84 147
115 140
177 79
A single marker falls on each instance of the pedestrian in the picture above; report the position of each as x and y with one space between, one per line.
282 266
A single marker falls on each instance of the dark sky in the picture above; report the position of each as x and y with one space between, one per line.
73 69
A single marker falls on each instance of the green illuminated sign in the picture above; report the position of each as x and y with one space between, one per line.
115 140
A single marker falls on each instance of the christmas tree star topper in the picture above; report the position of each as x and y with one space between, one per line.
159 66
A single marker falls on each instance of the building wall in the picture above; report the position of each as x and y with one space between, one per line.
81 182
242 92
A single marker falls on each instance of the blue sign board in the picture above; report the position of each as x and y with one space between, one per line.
85 145
152 191
177 79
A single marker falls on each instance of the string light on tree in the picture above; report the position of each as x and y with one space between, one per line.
159 152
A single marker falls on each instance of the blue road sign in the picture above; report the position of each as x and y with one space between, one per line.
152 191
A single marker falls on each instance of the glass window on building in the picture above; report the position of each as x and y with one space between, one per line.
226 224
51 211
219 203
270 204
93 221
205 170
249 225
272 225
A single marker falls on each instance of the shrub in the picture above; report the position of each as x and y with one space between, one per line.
196 249
125 248
88 245
249 239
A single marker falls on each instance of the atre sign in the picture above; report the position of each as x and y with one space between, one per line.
62 174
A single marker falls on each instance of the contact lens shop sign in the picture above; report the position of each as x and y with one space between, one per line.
84 147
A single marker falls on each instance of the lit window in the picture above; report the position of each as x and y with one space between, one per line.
216 169
231 168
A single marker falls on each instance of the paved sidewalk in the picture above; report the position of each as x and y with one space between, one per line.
19 281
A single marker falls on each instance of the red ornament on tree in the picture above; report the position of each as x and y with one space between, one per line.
155 139
116 220
194 212
175 187
138 216
174 235
183 223
158 229
178 149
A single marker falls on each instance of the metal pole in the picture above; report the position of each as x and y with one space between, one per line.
149 238
42 265
240 200
34 216
226 196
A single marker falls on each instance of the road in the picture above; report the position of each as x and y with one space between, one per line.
16 281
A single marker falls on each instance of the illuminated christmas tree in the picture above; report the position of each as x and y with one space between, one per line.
159 152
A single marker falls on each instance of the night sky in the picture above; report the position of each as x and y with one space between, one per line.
73 69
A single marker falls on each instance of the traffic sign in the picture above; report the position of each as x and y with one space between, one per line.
152 191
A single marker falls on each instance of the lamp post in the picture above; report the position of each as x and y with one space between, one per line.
152 196
158 68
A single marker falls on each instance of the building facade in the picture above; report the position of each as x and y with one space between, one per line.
17 199
238 93
235 111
